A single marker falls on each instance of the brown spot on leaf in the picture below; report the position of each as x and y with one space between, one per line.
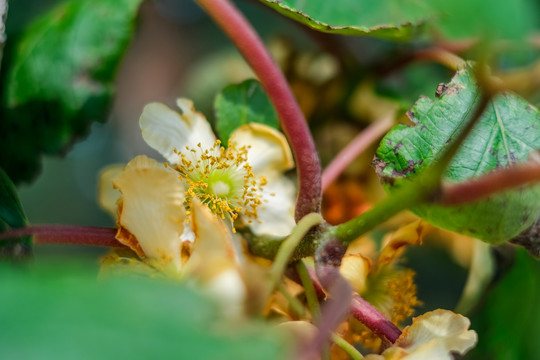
379 166
441 89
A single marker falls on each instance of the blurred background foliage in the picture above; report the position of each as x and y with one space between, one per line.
175 50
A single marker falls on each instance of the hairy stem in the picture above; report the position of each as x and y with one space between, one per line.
63 234
288 246
359 144
237 28
373 319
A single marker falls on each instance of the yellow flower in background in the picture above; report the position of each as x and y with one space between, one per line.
378 278
435 335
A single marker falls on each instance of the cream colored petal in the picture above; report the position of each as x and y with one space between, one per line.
276 215
166 130
436 330
213 249
395 243
355 268
152 210
269 152
107 194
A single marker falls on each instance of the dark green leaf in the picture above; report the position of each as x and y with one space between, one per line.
391 19
60 79
63 312
11 216
242 104
506 134
509 320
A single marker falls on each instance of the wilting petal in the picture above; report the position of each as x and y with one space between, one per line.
213 243
213 260
151 213
166 130
435 334
269 152
276 215
355 268
107 194
395 242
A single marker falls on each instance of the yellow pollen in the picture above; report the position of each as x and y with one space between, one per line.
222 179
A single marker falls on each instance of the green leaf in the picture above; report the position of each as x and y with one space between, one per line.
242 104
401 19
506 134
509 320
60 79
68 314
390 19
12 215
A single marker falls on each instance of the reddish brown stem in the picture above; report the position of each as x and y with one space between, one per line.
494 182
359 144
63 234
237 28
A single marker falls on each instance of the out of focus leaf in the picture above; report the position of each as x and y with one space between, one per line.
11 216
242 104
509 320
398 19
59 79
506 134
64 313
390 19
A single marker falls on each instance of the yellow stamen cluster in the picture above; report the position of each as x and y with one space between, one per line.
397 300
222 179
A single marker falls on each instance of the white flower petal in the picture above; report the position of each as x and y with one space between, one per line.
437 333
151 210
269 153
107 194
229 289
166 130
276 215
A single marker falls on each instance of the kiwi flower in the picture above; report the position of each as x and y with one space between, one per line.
244 180
435 335
164 210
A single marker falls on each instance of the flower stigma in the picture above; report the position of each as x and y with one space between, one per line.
222 179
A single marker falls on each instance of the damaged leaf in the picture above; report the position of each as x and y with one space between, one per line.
507 133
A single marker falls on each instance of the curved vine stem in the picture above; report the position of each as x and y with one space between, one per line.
359 144
238 29
64 234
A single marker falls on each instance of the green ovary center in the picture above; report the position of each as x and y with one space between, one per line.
222 179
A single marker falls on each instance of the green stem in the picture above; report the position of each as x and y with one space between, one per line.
309 289
348 348
289 245
296 305
238 29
